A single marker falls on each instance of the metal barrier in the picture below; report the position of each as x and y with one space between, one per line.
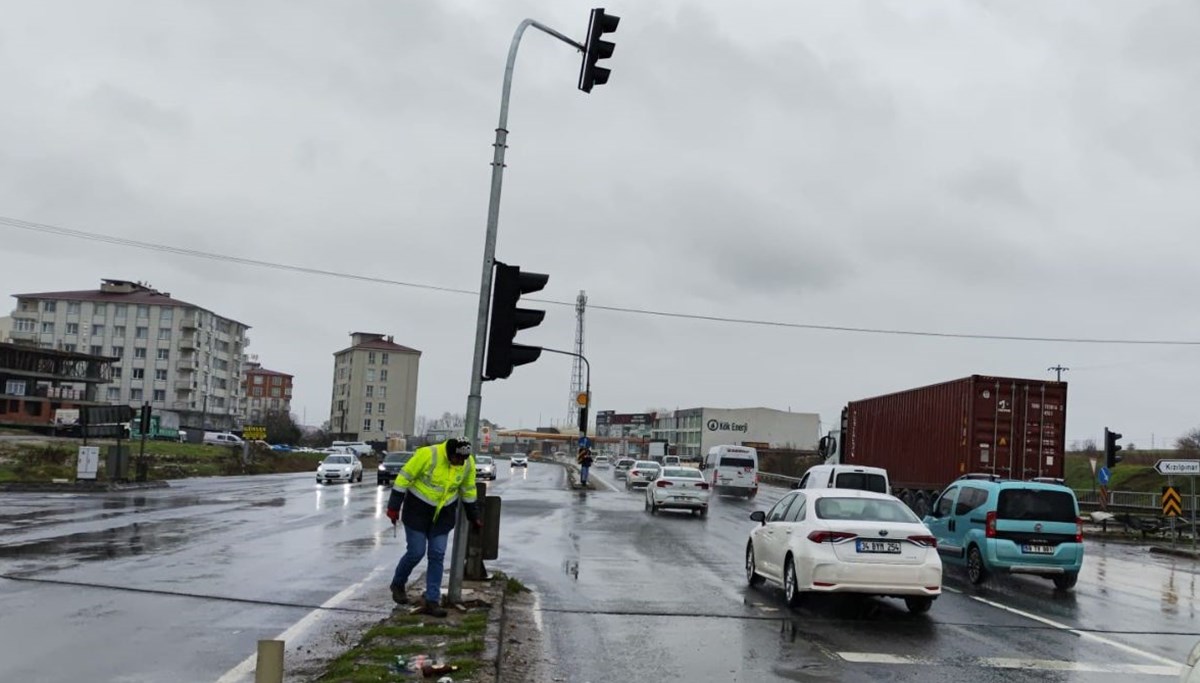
780 479
1121 499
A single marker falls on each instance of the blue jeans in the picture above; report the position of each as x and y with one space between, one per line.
583 473
417 543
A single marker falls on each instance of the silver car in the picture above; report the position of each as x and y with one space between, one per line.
485 467
621 469
642 473
340 467
519 461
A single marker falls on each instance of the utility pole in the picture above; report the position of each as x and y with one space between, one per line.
1059 370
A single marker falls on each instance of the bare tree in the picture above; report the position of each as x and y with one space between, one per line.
1189 444
1089 446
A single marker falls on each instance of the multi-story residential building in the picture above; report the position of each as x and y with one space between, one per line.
6 326
175 355
374 389
266 392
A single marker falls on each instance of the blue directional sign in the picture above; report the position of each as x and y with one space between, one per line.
585 442
1102 476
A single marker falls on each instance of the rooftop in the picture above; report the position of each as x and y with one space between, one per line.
121 292
375 342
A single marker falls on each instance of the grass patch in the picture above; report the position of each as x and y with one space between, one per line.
468 647
1134 473
416 630
514 586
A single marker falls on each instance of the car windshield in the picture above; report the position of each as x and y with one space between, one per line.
862 481
483 460
646 465
737 462
625 463
1041 505
337 460
396 458
864 510
682 473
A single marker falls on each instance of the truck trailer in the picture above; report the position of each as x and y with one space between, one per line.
928 437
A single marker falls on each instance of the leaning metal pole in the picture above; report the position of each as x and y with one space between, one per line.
475 397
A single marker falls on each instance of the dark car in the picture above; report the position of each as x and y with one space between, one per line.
391 465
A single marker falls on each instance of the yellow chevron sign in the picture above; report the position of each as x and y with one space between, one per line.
1172 504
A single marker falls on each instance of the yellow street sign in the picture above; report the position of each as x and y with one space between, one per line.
254 433
1172 504
581 398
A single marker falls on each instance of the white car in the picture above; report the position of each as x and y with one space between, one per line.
678 488
845 541
340 467
485 467
641 474
621 469
519 461
601 462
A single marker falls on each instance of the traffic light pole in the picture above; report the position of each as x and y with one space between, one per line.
475 397
588 382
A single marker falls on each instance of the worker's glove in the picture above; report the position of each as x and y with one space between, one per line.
478 524
393 515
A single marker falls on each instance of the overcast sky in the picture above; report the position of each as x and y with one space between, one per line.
1010 168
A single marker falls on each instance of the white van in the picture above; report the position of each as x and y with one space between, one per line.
222 439
733 470
359 448
845 477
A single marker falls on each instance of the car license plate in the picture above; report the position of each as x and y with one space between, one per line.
888 547
1038 549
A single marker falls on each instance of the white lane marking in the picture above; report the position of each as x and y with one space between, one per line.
1012 663
1063 627
611 487
246 668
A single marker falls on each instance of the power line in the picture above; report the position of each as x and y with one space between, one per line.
195 253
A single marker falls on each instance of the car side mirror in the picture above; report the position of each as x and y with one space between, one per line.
759 516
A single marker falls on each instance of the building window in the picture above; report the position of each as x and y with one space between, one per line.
371 358
380 410
114 394
277 381
166 314
222 383
366 409
257 403
118 351
164 333
383 375
258 379
160 375
258 391
116 373
275 392
25 325
164 354
382 392
14 387
135 394
96 350
371 375
49 306
370 391
381 428
70 347
275 403
143 311
383 359
160 394
367 425
139 373
139 352
72 328
119 331
47 328
121 308
73 308
98 330
141 332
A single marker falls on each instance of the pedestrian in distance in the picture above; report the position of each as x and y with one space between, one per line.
425 498
585 464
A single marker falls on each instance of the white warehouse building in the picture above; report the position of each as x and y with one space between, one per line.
695 430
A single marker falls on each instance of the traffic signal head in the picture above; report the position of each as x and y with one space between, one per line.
507 319
1111 448
595 49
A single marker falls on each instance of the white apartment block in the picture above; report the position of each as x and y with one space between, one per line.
175 355
374 389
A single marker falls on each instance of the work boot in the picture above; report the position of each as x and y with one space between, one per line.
432 609
399 596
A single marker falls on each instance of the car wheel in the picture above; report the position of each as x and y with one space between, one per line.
752 494
976 572
918 605
752 576
653 509
1065 582
646 504
790 588
703 513
627 486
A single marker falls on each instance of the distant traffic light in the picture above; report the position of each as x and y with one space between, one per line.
506 320
596 49
144 419
1110 449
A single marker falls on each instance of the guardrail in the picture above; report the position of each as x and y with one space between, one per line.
780 479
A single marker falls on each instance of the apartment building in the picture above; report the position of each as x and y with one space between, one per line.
374 388
266 391
173 354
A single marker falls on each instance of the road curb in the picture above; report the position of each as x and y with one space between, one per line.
1174 552
80 487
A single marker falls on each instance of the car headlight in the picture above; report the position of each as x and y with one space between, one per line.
382 468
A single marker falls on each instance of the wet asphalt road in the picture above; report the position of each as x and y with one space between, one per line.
179 584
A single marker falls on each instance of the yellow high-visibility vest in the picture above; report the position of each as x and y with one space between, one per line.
431 477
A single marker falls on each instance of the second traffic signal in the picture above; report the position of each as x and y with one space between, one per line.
1111 447
595 49
507 319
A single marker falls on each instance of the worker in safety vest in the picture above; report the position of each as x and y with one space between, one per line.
429 489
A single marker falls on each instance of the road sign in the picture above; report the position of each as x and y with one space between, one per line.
581 399
1184 468
1172 504
254 432
1092 461
1103 476
585 442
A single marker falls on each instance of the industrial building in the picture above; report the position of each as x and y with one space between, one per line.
695 430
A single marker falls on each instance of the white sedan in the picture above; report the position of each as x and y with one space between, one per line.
678 488
641 473
845 541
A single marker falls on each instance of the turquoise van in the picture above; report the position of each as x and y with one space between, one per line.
989 524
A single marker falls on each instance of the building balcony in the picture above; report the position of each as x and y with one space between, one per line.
185 365
189 322
187 343
183 385
182 405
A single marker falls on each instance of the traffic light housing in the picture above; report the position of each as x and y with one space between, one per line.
595 49
507 319
144 419
1111 447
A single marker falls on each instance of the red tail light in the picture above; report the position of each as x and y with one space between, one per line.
1079 530
635 472
703 485
662 484
990 529
830 536
924 541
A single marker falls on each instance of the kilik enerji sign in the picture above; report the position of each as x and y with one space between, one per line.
721 426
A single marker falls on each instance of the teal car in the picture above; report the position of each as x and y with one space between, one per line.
992 525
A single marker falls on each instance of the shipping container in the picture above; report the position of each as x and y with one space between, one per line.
927 437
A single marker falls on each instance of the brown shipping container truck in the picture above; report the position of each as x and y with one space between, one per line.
930 436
